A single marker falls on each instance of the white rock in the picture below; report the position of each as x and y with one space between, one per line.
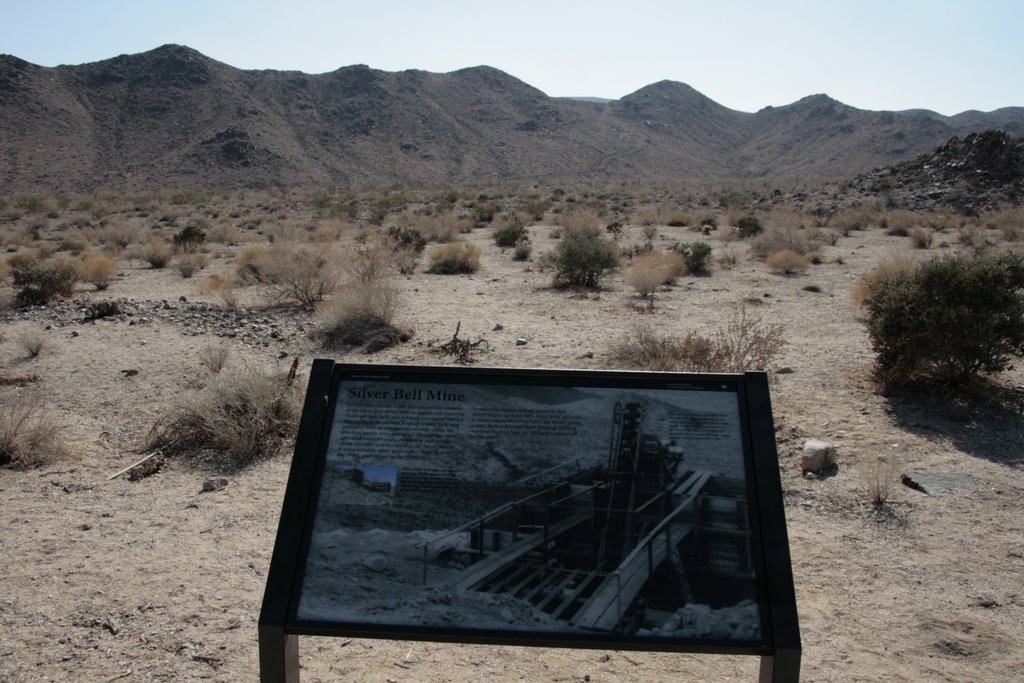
818 455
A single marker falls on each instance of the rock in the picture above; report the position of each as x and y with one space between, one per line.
499 327
785 371
520 342
817 456
937 482
377 563
130 372
215 484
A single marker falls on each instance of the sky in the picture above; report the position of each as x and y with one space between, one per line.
944 55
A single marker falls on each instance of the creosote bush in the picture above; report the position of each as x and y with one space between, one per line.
583 257
360 316
454 257
511 235
28 435
39 282
947 321
242 415
696 256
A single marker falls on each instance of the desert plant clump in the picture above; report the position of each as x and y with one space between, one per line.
214 358
454 258
361 316
299 273
410 238
28 435
96 268
188 263
32 343
240 415
522 252
921 238
696 256
221 287
511 235
948 321
749 226
583 257
156 252
880 478
744 343
102 309
189 239
39 282
678 220
787 262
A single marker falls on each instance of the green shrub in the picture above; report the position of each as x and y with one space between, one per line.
696 256
748 226
189 238
511 235
41 281
948 320
407 237
583 257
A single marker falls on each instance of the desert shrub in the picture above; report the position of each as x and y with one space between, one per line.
298 272
744 343
522 251
727 258
780 237
710 220
373 261
156 252
32 343
23 258
511 235
188 263
102 309
189 238
889 268
454 257
696 256
250 263
28 435
678 220
484 212
222 288
96 269
583 257
578 220
855 218
410 238
41 281
214 358
5 270
118 235
898 222
360 316
880 478
948 320
788 262
649 232
241 415
1009 222
921 238
748 226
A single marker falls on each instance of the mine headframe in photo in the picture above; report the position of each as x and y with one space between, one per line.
621 548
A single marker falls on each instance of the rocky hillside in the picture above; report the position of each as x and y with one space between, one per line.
172 117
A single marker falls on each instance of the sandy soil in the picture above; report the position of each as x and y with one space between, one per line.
109 579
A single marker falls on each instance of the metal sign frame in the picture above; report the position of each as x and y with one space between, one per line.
679 465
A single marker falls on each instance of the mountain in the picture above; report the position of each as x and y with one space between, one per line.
174 118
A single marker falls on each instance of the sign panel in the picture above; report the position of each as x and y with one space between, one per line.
552 507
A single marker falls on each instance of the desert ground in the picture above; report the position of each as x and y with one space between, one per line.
157 579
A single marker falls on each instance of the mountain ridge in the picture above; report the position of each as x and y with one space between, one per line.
173 117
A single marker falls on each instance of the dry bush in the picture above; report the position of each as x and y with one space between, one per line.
522 252
679 220
32 343
117 235
780 236
855 218
156 251
788 262
921 238
5 270
577 221
96 268
299 273
881 478
374 260
441 229
45 248
899 222
214 358
28 435
653 269
361 316
649 232
225 233
454 258
250 263
221 287
188 263
744 343
241 415
23 258
886 270
1009 222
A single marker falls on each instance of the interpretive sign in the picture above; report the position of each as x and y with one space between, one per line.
580 509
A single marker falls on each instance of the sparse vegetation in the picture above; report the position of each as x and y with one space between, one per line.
39 282
361 316
788 262
29 437
241 415
96 269
696 256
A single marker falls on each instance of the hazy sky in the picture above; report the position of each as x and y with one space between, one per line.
943 55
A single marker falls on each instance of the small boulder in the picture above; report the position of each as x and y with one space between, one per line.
817 456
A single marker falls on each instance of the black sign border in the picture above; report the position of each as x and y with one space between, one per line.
279 630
